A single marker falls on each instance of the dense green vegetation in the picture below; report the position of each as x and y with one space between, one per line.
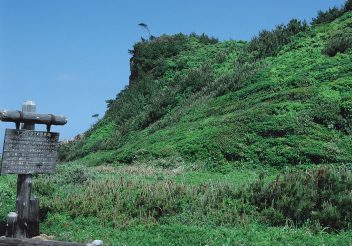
216 143
145 204
282 99
332 13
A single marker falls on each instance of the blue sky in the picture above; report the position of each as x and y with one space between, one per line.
69 56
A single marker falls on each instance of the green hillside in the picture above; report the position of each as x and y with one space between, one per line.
278 100
215 143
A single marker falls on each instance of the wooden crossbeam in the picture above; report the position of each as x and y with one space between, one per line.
32 118
34 242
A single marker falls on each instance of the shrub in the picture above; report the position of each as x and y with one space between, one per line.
326 108
327 16
205 39
272 216
159 106
321 195
149 55
197 79
348 6
346 112
268 43
332 13
338 44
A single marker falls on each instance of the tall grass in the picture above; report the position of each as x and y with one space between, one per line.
318 196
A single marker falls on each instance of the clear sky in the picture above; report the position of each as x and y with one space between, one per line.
69 56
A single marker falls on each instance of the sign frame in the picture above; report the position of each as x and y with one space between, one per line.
29 152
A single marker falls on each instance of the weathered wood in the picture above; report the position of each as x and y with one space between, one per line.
24 188
32 118
29 152
25 150
11 224
33 220
34 242
28 107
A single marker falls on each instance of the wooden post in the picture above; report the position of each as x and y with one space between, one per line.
24 189
25 222
33 222
11 224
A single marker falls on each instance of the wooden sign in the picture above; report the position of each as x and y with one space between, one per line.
29 152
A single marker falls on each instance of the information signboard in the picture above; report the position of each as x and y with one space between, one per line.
29 152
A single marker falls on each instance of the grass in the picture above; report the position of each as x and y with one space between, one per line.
178 234
146 204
